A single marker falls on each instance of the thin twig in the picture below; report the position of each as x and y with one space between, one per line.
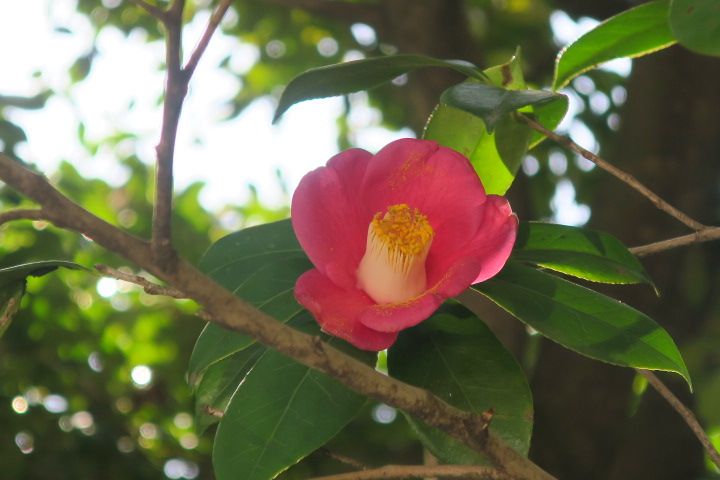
176 85
704 235
148 286
684 412
212 25
616 172
22 214
233 313
343 459
153 10
422 471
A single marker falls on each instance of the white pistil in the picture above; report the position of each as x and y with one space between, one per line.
393 267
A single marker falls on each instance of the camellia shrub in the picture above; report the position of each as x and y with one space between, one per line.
391 252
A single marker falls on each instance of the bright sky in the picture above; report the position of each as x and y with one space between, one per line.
121 93
226 154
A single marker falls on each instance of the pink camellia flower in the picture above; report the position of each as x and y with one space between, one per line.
392 236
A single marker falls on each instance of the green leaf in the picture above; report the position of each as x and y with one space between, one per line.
219 381
12 285
455 356
509 74
259 264
34 269
632 33
583 320
496 156
696 25
492 103
580 252
280 413
349 77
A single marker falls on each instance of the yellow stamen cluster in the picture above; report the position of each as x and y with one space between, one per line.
393 267
402 230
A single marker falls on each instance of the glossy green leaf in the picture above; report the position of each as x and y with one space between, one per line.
455 356
12 285
509 74
34 269
492 103
583 320
353 76
496 156
280 413
632 33
454 128
696 25
259 264
219 381
580 252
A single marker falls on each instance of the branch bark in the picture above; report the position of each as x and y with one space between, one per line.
704 235
21 214
462 472
233 313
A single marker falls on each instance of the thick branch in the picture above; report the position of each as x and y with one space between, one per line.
465 472
21 214
233 313
704 235
616 172
685 413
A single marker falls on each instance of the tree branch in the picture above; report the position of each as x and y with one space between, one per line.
464 472
176 87
233 313
22 214
704 235
684 412
148 286
176 84
616 172
343 459
212 25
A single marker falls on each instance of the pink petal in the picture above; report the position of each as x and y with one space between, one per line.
329 222
338 311
393 317
483 256
440 182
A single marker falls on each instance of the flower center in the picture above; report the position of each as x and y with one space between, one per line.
393 267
